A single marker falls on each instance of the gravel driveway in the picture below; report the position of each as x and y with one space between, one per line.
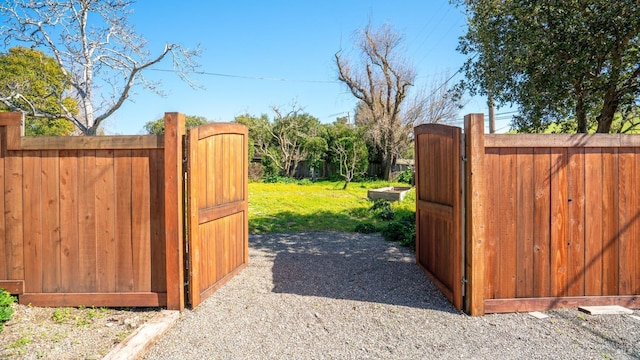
355 296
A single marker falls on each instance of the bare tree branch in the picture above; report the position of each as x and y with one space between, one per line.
93 43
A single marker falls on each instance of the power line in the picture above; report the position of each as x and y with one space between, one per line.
252 77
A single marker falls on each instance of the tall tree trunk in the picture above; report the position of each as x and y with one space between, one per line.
386 174
609 108
581 115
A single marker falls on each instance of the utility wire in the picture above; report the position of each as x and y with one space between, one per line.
252 77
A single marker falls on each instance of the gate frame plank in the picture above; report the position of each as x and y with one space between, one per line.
475 196
173 209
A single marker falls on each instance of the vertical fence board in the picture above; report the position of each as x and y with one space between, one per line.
158 257
124 258
492 227
141 219
558 249
70 257
105 221
636 220
610 245
541 228
628 208
235 171
5 244
32 193
507 285
218 164
225 162
575 241
593 225
14 216
50 200
524 222
207 195
87 221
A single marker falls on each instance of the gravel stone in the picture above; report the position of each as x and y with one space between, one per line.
354 296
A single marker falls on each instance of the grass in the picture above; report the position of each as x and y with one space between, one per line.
319 206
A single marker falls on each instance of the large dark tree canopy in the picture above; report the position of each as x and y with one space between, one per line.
555 59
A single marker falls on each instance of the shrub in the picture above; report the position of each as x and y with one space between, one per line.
366 228
359 212
406 176
6 311
402 231
382 209
272 179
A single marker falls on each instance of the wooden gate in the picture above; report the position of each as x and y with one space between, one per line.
217 193
439 247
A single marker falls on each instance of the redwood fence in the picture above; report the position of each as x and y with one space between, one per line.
93 221
550 220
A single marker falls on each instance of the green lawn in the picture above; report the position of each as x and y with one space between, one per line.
320 206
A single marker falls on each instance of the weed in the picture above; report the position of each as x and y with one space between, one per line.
122 335
20 344
6 310
61 315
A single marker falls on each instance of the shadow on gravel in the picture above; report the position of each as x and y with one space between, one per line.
350 266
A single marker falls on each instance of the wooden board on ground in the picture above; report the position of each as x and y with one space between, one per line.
538 315
605 310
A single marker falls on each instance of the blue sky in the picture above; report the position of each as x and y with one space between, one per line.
282 52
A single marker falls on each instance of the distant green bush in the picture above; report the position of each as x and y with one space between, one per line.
278 179
6 311
382 209
406 176
366 228
402 231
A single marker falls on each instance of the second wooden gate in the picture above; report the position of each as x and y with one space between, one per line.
439 248
217 193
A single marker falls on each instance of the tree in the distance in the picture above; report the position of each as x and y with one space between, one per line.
556 60
156 127
97 49
381 82
30 80
351 157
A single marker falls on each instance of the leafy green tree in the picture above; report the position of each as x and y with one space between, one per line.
555 59
156 127
28 80
348 152
351 157
317 149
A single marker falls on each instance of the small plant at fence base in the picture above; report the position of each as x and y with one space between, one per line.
6 311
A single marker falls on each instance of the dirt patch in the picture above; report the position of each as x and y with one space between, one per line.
68 333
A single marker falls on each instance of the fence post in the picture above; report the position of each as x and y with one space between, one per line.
174 124
474 213
14 124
